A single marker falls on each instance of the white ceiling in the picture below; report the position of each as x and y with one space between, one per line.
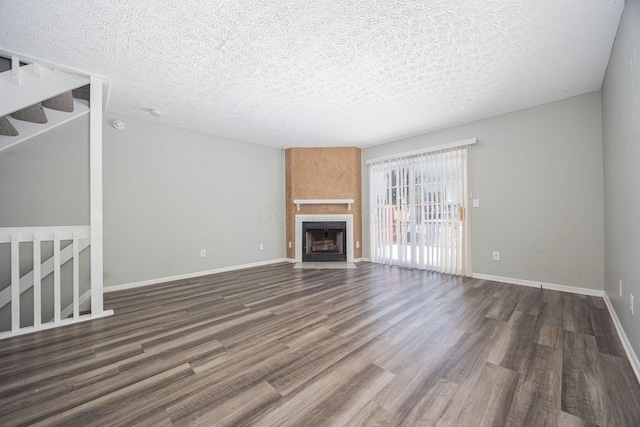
322 73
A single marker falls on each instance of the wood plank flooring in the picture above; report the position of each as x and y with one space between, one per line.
374 346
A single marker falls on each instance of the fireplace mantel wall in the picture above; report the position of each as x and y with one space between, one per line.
323 173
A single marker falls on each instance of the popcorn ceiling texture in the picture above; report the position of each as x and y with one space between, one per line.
322 73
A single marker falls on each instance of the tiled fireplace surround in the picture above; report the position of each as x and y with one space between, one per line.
323 174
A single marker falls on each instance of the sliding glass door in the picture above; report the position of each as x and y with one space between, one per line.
418 211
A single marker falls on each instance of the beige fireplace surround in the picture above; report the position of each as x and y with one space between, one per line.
326 180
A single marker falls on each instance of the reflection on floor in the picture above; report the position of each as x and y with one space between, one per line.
324 265
375 346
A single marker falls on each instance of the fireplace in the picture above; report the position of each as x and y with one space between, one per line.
324 237
324 241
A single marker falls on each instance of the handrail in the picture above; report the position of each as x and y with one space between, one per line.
25 234
6 53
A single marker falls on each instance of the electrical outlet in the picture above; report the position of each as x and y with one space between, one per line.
358 244
476 203
496 255
631 303
289 244
261 246
620 286
203 253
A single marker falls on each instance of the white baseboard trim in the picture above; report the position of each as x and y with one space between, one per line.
535 284
190 275
291 260
631 355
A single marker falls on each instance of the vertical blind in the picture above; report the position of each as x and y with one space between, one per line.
418 211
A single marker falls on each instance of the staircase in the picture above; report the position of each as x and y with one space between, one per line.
35 98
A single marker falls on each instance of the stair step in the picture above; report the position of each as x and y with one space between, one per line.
6 128
36 83
83 92
5 64
62 102
33 114
28 130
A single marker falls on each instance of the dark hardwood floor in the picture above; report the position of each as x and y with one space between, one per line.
375 346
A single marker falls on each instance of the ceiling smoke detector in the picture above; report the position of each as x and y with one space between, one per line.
118 124
155 113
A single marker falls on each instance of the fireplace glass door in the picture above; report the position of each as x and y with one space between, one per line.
324 241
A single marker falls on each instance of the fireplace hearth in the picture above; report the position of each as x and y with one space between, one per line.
324 241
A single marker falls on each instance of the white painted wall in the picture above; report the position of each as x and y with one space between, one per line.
538 175
621 140
169 192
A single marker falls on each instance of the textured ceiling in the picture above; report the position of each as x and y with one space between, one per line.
322 73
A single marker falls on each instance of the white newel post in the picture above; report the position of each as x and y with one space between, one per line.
95 188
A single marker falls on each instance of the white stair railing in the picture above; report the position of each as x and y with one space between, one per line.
37 235
21 87
26 281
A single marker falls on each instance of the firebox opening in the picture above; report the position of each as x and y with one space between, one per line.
324 241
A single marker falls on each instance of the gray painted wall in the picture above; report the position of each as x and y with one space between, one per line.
538 175
169 192
621 135
45 181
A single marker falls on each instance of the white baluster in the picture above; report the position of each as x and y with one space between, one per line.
76 277
15 69
56 278
37 280
15 282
